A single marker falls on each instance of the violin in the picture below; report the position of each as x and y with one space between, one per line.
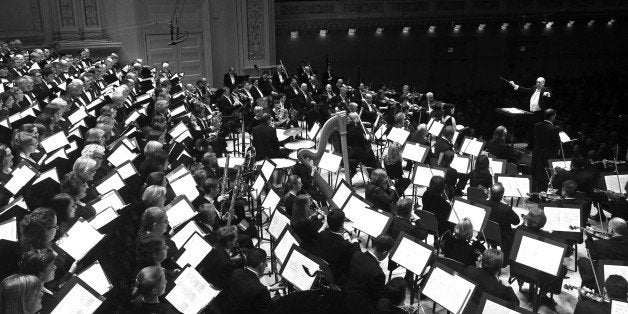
587 294
593 232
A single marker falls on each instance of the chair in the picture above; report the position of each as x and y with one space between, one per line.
493 234
431 224
476 194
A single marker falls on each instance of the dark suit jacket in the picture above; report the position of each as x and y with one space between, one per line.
500 150
615 248
505 217
366 277
277 81
590 307
246 293
226 81
224 106
337 252
288 201
217 268
265 142
381 199
461 250
437 205
440 146
544 101
415 229
546 140
486 282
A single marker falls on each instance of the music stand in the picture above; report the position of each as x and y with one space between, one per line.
492 304
513 114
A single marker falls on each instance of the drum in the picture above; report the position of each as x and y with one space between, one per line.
299 144
293 155
283 163
233 162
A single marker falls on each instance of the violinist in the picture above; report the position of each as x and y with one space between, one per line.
614 248
280 77
381 192
328 76
255 90
615 287
361 151
618 205
267 85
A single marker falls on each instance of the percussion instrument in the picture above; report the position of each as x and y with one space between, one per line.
293 155
233 162
281 163
299 144
293 132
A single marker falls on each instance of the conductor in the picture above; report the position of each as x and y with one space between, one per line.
539 100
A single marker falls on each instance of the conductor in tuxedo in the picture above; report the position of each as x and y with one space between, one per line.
540 97
546 146
366 277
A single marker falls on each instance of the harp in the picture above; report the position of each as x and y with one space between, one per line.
338 122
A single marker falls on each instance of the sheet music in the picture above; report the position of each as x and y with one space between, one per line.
103 218
185 233
258 186
450 291
20 177
561 164
461 163
95 277
177 111
369 221
411 255
59 153
461 210
130 143
178 130
78 301
267 169
398 135
380 133
615 270
530 250
114 182
560 218
514 185
330 162
73 147
414 152
77 116
513 110
619 307
435 128
54 142
496 166
280 136
191 292
176 173
185 185
195 250
615 185
126 170
564 138
181 137
52 174
342 195
491 307
293 270
79 240
8 230
278 222
120 155
179 212
111 199
270 202
313 132
282 248
472 147
132 117
424 174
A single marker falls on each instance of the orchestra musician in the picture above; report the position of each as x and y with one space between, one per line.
546 146
381 192
336 246
498 147
280 77
615 288
361 151
504 216
230 79
265 140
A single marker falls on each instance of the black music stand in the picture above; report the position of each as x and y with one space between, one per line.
512 113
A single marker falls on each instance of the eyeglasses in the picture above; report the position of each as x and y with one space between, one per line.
54 228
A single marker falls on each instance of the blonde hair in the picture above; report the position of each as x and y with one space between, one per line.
464 229
153 195
83 164
148 279
152 146
393 155
18 293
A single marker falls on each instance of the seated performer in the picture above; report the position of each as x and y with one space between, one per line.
461 246
265 141
504 216
360 148
218 265
615 287
435 201
336 246
487 279
498 147
380 192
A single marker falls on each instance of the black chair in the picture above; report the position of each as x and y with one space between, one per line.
476 194
493 234
431 225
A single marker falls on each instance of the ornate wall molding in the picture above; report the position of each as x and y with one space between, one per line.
91 13
255 29
66 13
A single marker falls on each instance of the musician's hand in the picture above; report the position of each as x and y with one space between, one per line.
512 83
276 286
223 197
547 94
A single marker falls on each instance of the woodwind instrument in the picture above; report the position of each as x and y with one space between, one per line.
225 176
283 67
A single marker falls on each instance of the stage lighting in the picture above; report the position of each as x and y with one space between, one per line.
549 24
611 22
351 31
570 24
591 22
406 29
294 34
527 25
505 26
432 29
457 27
481 27
323 33
379 30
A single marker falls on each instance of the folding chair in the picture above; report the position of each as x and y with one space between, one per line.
431 225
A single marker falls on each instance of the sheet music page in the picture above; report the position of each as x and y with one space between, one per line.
176 111
120 155
267 169
103 218
414 152
369 221
132 117
78 301
283 247
79 240
195 251
342 195
54 142
8 230
530 250
176 173
560 218
513 110
294 273
473 147
451 292
436 128
126 170
313 132
258 187
514 185
461 163
462 210
20 177
191 292
619 307
185 185
77 116
424 174
95 277
179 213
562 164
380 133
615 270
129 143
398 135
411 255
111 199
60 153
186 134
564 138
185 233
491 307
114 182
73 146
615 185
330 162
270 202
52 174
278 222
178 130
280 136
